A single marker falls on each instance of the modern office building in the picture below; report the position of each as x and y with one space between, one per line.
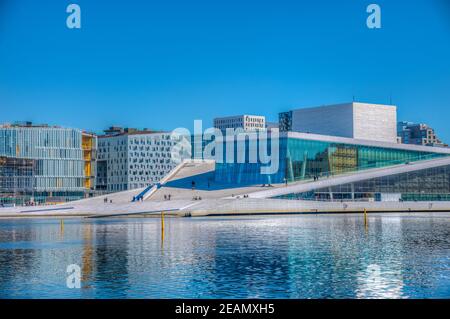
246 122
418 134
363 121
61 162
131 158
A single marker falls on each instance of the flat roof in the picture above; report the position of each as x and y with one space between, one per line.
133 133
235 116
341 104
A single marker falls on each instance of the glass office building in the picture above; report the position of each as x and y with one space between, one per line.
63 160
309 156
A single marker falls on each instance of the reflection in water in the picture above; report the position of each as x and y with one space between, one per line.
19 262
87 258
373 283
162 232
313 256
111 257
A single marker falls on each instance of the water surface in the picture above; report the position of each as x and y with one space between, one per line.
310 256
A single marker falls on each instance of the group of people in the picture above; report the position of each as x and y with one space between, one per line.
138 199
31 203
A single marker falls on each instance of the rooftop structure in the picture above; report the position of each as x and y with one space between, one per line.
353 120
118 130
246 122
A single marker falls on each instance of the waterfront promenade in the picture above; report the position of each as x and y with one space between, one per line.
177 196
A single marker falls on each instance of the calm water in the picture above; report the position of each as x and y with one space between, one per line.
259 257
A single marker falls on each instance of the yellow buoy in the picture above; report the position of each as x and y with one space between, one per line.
162 229
365 218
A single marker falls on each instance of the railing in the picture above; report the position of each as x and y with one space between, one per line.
142 194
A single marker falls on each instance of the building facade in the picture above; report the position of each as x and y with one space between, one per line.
308 156
16 180
363 121
130 159
430 184
246 122
63 162
418 134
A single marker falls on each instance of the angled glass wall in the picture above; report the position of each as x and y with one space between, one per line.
301 159
432 184
241 169
307 159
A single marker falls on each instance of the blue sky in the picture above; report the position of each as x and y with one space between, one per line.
162 64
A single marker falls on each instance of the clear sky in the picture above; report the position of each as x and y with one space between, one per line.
162 64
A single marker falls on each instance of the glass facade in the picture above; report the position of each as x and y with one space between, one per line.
16 180
59 170
301 159
239 169
308 158
432 184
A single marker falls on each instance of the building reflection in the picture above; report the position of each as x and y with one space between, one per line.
17 264
313 256
380 271
243 264
87 257
111 256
